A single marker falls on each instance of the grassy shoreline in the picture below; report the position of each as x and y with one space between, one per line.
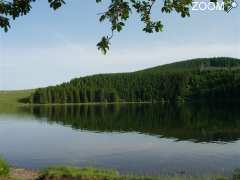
74 173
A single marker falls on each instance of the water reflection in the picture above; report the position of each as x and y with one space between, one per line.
197 123
145 139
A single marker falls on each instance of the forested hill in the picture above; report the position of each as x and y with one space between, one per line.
195 65
212 79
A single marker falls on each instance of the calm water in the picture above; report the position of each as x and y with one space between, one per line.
137 139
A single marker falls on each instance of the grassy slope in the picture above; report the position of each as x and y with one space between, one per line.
9 100
13 97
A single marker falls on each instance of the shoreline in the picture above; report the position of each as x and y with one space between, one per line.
85 104
75 173
61 172
23 174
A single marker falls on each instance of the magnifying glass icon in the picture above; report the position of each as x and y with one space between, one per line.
234 4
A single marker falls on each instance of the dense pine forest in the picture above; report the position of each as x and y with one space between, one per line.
211 79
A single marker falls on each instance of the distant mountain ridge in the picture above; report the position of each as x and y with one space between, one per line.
215 79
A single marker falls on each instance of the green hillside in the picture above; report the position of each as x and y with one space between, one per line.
11 100
212 79
14 97
194 64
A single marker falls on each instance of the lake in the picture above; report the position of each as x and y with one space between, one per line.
143 139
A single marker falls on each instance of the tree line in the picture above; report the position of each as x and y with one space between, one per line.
149 86
114 88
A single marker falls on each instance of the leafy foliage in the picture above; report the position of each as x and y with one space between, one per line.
236 174
4 168
117 13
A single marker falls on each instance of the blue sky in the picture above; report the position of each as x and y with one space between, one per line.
47 47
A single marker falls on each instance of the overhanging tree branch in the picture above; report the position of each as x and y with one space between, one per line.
117 13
